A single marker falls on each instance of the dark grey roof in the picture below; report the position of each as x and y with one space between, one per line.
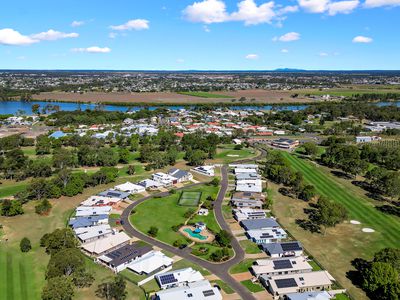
86 221
127 253
114 194
259 224
280 248
177 173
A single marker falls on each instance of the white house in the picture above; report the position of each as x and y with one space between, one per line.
150 184
241 214
280 266
130 188
253 186
151 262
84 211
181 175
200 290
164 179
264 236
178 278
89 234
107 244
205 170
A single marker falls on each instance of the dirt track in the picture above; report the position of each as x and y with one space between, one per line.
260 96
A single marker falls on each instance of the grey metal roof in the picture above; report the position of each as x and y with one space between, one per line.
280 248
114 194
177 173
259 224
86 221
127 253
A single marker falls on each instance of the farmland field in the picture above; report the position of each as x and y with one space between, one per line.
203 95
345 242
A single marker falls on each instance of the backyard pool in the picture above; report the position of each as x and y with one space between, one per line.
195 235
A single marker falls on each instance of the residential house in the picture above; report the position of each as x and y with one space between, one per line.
252 186
324 295
263 236
283 249
281 285
101 201
118 259
107 244
85 211
115 194
247 199
150 184
200 290
281 266
130 188
150 263
247 176
205 170
367 139
181 175
164 179
178 278
82 222
241 214
257 224
89 234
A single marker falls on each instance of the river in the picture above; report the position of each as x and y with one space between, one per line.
25 107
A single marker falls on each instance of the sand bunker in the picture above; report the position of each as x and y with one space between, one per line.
355 222
368 230
233 155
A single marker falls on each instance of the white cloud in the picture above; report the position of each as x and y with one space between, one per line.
53 35
77 23
380 3
21 57
285 51
252 56
214 11
137 24
206 11
362 39
112 35
314 6
251 14
323 54
206 28
180 60
342 7
328 6
12 37
288 37
93 49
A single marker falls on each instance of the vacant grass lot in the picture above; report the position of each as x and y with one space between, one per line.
252 287
250 247
9 188
341 244
227 154
204 95
165 212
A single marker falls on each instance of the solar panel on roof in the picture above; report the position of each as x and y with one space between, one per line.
290 246
167 279
285 283
208 293
282 264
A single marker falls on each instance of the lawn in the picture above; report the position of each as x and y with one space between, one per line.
250 247
252 287
182 264
9 187
242 267
348 92
165 212
224 286
22 273
211 248
228 154
345 242
204 95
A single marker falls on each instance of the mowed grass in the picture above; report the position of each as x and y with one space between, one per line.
204 95
165 212
227 154
348 92
359 209
345 242
10 188
189 198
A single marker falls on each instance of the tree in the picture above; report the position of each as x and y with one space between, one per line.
58 288
43 145
58 240
220 254
38 189
131 170
381 280
10 208
114 290
223 238
153 231
215 182
35 109
330 213
196 157
389 255
124 155
63 158
310 148
43 207
307 192
66 262
25 245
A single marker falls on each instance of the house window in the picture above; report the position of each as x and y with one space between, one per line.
190 295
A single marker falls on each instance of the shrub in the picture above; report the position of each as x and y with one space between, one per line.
153 231
25 245
43 207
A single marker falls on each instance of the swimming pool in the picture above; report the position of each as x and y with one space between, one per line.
195 235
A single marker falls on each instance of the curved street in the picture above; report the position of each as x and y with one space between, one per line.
219 269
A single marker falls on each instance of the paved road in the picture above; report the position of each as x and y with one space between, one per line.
220 269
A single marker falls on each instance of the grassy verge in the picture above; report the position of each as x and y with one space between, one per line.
252 287
250 247
242 267
204 95
224 286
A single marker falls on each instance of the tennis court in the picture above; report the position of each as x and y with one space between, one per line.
189 198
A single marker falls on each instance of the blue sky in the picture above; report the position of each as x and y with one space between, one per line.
200 34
